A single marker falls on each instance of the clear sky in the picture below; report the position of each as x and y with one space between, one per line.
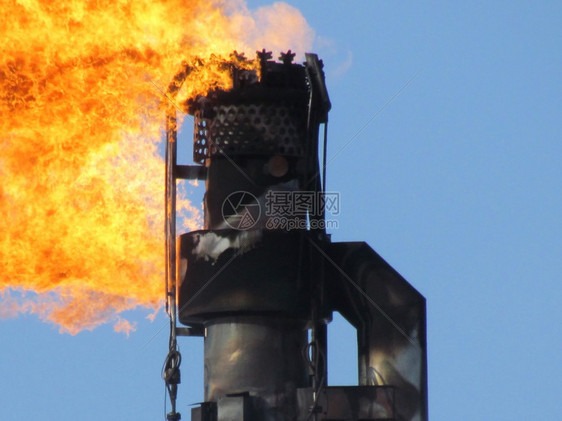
445 142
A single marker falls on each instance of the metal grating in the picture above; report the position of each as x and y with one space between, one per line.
245 129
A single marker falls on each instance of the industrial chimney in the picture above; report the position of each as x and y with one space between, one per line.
261 280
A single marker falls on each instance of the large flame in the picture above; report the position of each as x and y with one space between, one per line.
81 197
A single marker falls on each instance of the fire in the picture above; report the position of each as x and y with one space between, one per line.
81 198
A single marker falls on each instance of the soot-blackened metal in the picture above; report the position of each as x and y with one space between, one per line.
259 293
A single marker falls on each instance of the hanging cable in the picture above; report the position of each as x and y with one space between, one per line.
172 377
315 358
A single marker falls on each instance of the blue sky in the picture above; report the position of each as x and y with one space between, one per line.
446 138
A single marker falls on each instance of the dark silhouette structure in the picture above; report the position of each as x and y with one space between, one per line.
261 280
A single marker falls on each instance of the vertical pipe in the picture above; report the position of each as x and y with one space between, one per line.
170 229
171 152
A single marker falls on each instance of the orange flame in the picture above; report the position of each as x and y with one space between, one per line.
81 198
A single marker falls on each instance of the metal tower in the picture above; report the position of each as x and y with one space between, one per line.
261 280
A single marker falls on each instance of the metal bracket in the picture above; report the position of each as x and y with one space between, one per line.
190 172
